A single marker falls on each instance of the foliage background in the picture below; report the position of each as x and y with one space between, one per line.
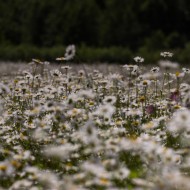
103 30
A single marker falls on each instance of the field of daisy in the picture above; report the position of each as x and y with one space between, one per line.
100 127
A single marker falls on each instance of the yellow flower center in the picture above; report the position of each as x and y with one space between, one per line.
177 74
3 167
104 181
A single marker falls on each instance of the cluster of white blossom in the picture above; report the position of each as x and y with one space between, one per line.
66 130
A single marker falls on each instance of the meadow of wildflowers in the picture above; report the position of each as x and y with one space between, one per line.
67 129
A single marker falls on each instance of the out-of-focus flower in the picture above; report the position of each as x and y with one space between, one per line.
168 64
62 151
175 96
180 121
150 109
186 70
139 59
166 54
109 100
4 89
155 70
37 61
106 110
130 67
69 53
56 73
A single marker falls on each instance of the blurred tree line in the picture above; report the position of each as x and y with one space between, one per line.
151 24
